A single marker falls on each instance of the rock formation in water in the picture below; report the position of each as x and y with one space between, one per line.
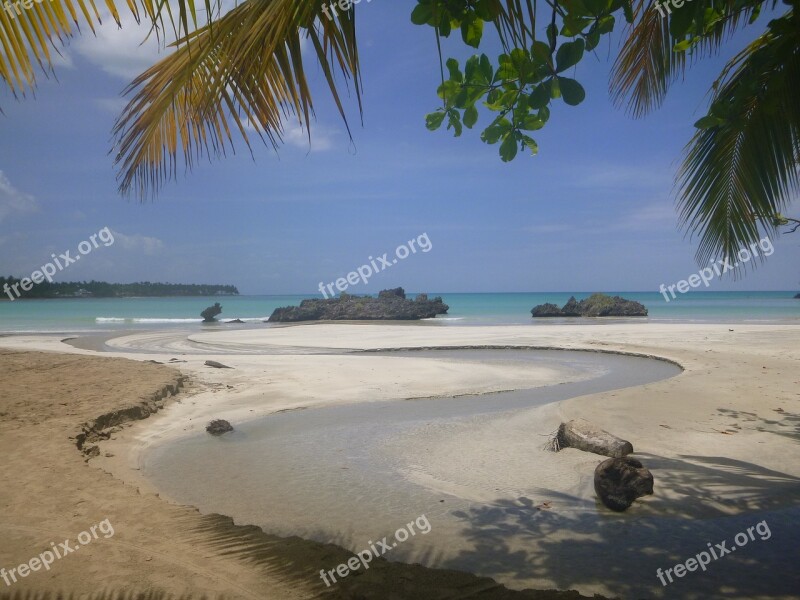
211 312
390 305
596 305
218 427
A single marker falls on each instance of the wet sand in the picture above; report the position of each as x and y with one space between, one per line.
721 440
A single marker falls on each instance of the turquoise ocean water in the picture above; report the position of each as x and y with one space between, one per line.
99 315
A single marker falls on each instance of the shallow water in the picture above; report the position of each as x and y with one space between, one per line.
335 475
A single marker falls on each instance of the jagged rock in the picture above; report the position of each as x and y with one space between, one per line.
235 321
211 312
620 481
216 365
390 305
546 310
596 305
797 296
393 293
218 427
600 305
571 308
582 435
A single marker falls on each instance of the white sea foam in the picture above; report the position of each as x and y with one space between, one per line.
444 319
157 320
165 320
249 319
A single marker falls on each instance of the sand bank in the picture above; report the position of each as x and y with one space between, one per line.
721 439
50 493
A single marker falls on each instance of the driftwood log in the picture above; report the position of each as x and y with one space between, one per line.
582 435
216 365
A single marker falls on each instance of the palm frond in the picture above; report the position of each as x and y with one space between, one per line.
31 37
516 22
243 71
647 64
740 172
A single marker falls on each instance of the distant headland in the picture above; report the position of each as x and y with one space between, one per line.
102 289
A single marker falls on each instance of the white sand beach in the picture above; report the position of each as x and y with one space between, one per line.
721 438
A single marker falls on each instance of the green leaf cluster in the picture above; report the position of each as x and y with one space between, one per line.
518 88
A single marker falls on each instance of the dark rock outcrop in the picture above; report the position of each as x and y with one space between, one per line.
571 308
211 312
547 310
390 305
218 427
797 296
582 435
393 293
596 305
620 481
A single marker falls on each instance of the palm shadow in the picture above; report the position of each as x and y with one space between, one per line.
588 546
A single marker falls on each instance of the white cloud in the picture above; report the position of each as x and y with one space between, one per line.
294 134
142 243
12 201
321 138
124 52
61 60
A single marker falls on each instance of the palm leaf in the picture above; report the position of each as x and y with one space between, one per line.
647 64
33 37
242 72
740 173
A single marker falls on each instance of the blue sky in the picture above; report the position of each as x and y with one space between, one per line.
593 211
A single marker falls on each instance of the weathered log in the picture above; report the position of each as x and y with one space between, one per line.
216 365
620 481
582 435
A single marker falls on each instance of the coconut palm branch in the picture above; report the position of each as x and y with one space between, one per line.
648 64
741 167
243 72
31 37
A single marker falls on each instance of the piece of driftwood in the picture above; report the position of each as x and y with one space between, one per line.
620 481
583 435
217 365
